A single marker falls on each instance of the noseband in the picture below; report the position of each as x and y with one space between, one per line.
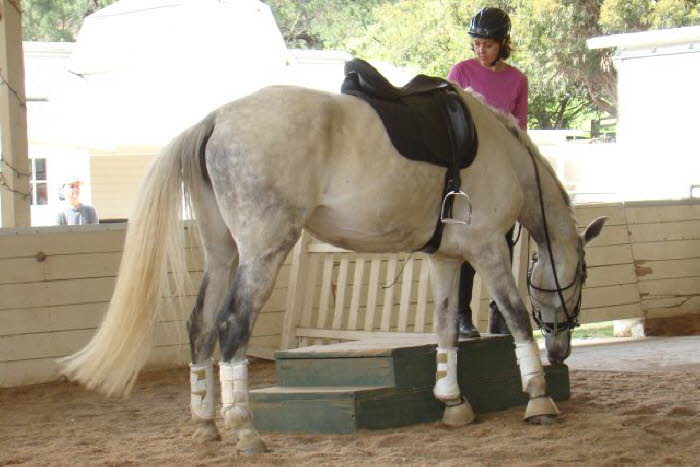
571 317
580 277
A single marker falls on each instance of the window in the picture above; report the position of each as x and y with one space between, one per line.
39 185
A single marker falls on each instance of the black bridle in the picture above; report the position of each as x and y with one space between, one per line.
580 277
571 318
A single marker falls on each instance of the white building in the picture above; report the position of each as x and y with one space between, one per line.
658 102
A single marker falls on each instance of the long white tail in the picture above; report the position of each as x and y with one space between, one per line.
113 358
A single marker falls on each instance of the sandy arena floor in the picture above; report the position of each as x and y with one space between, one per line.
649 415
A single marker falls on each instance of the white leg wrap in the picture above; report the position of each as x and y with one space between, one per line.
528 355
446 387
202 391
234 392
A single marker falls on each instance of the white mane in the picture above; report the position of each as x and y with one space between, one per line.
511 124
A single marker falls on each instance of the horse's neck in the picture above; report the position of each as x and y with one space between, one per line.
560 223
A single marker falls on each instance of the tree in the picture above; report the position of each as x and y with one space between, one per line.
566 79
555 33
618 16
56 20
322 24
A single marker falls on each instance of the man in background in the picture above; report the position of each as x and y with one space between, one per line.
74 212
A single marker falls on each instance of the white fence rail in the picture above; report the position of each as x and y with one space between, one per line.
55 284
336 295
646 263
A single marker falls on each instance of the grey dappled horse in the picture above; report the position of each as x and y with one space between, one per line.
260 169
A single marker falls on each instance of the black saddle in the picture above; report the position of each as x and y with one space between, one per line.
426 121
363 77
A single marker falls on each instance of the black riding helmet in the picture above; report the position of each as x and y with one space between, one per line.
490 23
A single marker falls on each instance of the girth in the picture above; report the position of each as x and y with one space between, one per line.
426 120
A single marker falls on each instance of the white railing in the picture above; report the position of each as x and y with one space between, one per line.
338 295
645 264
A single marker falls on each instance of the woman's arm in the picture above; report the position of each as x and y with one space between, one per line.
520 110
456 76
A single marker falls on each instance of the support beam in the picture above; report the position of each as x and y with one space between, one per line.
15 170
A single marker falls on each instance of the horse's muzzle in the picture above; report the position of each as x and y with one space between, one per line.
558 345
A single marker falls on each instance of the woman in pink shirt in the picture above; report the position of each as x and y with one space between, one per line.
503 87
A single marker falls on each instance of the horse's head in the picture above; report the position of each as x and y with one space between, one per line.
555 282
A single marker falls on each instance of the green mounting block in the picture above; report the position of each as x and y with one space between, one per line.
384 383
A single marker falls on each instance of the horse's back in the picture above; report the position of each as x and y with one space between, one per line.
330 157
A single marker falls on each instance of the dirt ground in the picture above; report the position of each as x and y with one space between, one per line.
650 415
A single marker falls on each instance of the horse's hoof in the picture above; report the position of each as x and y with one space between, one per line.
541 411
206 431
249 446
541 420
458 415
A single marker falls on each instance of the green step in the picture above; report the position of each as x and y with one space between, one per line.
400 363
387 383
345 410
340 410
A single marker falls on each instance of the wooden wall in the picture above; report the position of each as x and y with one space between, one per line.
55 284
645 264
665 239
115 181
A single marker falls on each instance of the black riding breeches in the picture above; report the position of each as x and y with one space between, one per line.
466 278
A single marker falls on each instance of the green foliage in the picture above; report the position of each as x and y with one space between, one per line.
322 24
618 16
566 79
624 15
674 13
430 35
587 331
56 20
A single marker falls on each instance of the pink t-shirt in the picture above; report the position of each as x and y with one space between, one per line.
505 90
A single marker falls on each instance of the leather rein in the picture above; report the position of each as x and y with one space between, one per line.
580 277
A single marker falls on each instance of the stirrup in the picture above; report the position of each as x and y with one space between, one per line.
447 220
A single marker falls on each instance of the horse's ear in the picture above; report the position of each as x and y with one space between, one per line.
593 229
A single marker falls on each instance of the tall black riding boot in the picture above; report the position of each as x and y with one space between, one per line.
497 324
466 282
466 327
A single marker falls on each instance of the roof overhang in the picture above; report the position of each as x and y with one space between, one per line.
647 39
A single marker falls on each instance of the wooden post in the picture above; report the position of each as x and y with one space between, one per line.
388 307
295 292
15 171
422 299
406 285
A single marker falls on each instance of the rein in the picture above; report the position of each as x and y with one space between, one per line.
571 319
